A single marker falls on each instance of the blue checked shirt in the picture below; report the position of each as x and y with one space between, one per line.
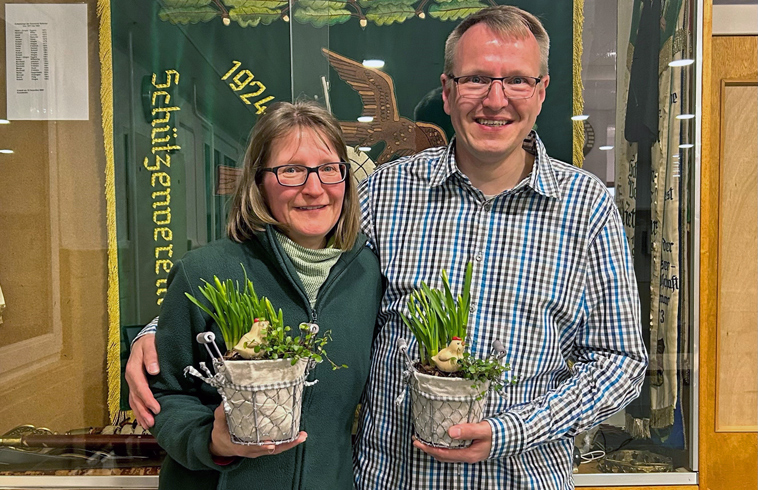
553 280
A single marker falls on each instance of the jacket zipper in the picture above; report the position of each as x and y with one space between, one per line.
327 286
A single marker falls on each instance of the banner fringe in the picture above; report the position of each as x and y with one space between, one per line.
578 106
106 102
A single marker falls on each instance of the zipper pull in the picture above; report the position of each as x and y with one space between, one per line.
314 316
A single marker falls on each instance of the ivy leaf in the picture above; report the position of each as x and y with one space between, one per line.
268 4
320 18
455 10
322 4
252 16
187 15
373 3
388 13
185 3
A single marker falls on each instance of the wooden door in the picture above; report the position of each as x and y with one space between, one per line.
728 364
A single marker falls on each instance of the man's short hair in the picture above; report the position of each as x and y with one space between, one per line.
504 19
249 212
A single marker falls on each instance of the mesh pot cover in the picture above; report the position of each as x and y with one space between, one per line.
263 401
439 403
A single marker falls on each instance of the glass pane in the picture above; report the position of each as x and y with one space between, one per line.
639 96
92 219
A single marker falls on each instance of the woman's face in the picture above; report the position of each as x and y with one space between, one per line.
309 212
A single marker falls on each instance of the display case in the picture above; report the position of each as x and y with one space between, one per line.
126 123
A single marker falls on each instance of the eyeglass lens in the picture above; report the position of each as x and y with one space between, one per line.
513 87
294 175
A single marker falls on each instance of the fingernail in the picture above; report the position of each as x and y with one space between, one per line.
152 368
271 449
455 433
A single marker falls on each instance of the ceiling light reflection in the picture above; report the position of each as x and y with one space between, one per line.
373 63
684 62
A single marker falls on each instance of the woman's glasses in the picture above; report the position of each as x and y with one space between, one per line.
297 175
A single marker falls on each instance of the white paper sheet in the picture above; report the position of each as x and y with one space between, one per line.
46 61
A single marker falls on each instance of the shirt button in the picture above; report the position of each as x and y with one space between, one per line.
487 206
472 308
479 257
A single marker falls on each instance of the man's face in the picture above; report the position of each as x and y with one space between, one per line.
491 129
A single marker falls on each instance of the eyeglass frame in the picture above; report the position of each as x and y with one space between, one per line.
537 81
309 171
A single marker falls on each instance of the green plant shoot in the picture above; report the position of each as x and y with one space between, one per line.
437 316
235 311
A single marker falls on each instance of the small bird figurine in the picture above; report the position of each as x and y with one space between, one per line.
447 359
246 346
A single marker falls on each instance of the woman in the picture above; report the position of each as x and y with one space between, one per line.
293 225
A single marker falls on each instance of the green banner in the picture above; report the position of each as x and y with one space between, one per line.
188 78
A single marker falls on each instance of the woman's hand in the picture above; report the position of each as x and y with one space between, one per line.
222 445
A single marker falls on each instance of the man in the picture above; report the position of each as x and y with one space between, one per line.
553 278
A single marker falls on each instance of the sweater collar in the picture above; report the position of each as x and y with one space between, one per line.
267 239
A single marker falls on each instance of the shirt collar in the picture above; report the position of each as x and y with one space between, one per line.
446 167
542 179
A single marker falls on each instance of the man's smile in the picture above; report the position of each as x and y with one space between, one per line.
491 122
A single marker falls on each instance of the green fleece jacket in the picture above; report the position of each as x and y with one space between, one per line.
347 304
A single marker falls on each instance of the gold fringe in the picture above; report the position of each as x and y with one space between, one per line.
106 102
578 126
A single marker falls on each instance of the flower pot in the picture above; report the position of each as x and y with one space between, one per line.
438 403
263 400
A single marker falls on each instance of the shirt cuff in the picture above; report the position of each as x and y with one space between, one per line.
149 329
508 435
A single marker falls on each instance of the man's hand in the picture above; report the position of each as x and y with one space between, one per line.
222 445
143 358
479 450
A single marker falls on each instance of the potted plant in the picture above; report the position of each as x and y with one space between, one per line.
262 374
448 384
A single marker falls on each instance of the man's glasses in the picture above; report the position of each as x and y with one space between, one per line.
478 86
297 175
